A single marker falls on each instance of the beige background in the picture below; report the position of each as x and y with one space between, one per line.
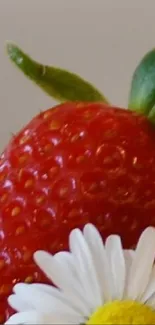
100 39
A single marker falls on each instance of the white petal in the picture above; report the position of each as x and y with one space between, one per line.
28 317
142 264
55 292
75 298
150 289
34 317
117 262
57 271
151 301
60 268
128 255
68 259
52 291
96 246
18 304
87 272
71 300
42 301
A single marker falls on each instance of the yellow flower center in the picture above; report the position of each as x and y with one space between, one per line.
123 312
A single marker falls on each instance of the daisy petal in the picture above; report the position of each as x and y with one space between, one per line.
57 271
150 290
27 317
42 301
140 270
76 299
87 272
35 317
117 262
66 260
151 301
128 255
96 246
55 292
18 304
61 269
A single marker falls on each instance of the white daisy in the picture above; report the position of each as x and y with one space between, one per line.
95 283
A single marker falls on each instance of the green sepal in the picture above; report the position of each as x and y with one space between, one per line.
60 84
142 93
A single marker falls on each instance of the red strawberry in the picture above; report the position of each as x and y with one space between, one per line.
73 164
77 163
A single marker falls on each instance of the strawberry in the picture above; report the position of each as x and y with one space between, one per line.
73 164
76 163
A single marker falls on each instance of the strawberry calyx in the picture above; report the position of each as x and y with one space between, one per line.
62 85
142 92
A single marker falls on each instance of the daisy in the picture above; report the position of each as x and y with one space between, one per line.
95 283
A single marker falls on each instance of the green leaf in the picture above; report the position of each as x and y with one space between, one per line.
58 83
142 93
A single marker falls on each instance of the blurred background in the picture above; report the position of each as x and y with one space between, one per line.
102 40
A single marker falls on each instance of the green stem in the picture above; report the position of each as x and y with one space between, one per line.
58 83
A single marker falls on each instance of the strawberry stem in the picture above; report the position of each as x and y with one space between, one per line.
142 92
58 83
